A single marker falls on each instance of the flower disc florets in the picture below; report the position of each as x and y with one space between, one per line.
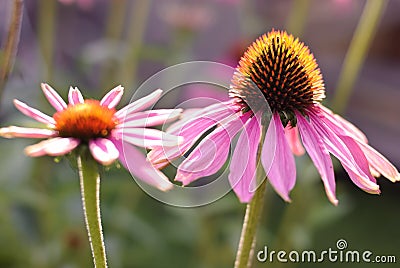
85 121
283 69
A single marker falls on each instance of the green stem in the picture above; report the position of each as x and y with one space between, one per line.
298 17
356 54
137 26
254 209
46 25
245 253
90 189
11 44
114 29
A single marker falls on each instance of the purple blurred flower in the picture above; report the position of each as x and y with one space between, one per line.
186 16
108 133
278 69
83 4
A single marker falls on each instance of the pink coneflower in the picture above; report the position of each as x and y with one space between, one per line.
109 134
278 69
83 4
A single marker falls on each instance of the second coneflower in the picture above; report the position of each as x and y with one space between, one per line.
108 133
279 70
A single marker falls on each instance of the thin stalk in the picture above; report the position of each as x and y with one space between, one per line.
254 209
298 17
90 189
137 26
46 25
114 30
356 54
11 44
245 253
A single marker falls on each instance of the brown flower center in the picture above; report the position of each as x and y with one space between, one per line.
85 121
282 70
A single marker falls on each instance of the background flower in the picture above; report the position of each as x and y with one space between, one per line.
99 126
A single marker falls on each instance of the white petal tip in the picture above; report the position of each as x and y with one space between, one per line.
32 151
17 102
165 187
119 88
5 132
335 202
44 86
106 163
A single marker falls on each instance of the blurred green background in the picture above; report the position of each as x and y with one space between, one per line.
96 45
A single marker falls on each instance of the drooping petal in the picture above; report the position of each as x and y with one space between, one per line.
54 99
191 129
293 138
23 132
365 185
376 160
33 113
103 150
345 126
374 172
242 175
278 160
139 105
319 155
54 147
150 118
344 148
135 161
211 153
146 137
75 96
379 163
112 98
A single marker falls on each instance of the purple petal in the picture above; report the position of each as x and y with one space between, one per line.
138 105
103 150
23 132
191 129
319 155
52 96
278 160
75 96
53 147
147 137
150 118
33 113
134 161
242 175
379 162
292 136
211 153
344 148
365 185
112 98
342 124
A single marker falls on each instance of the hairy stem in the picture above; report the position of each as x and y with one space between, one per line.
90 189
245 253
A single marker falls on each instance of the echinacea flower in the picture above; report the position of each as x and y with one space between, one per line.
278 69
109 134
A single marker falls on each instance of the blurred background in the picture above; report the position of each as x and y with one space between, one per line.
98 44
